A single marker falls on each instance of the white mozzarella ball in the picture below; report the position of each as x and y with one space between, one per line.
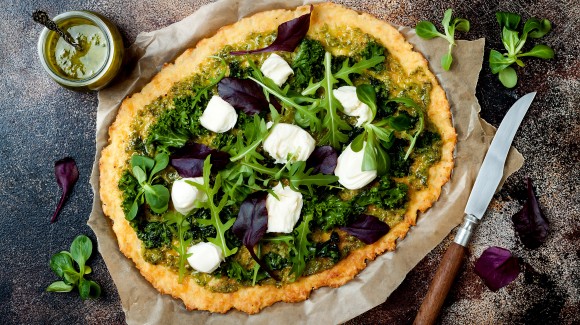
219 116
205 257
349 169
284 211
347 97
277 69
185 196
288 142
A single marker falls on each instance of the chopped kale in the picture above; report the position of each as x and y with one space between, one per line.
236 70
308 63
329 212
155 235
198 232
128 186
329 248
426 140
222 140
176 126
387 195
384 109
274 261
236 271
372 49
399 166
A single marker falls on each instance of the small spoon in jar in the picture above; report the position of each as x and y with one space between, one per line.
42 18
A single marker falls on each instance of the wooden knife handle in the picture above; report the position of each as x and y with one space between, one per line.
442 281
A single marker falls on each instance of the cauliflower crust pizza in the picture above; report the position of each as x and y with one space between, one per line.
278 156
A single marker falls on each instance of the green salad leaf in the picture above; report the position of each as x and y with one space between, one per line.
145 171
514 42
379 136
62 265
427 30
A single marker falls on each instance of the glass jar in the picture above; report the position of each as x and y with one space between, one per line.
95 64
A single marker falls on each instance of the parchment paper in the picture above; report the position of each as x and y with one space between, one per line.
144 305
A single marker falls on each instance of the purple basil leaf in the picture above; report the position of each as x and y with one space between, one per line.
289 35
67 174
367 228
243 94
497 267
252 223
188 160
322 160
530 223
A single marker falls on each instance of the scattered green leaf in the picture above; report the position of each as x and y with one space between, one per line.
427 30
62 265
513 42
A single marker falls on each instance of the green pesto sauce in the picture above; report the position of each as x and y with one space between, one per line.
345 42
78 64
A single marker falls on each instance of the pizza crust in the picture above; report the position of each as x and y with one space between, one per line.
252 299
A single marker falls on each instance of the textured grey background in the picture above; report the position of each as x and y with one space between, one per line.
40 122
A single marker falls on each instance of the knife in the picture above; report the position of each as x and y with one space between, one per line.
485 185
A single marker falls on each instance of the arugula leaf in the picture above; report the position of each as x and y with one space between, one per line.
215 221
345 71
62 265
332 121
427 30
295 173
180 227
298 176
302 244
156 195
305 115
513 42
248 141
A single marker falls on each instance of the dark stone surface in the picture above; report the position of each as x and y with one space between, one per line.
40 122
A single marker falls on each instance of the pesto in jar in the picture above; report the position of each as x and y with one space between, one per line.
80 63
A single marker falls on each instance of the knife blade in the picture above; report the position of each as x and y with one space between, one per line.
486 183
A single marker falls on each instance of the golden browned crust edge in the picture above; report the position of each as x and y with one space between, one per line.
253 299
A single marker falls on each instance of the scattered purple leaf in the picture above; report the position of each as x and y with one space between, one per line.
289 35
367 228
243 94
252 223
497 267
67 174
530 224
322 160
188 160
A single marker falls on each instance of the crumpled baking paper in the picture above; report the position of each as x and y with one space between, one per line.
145 305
